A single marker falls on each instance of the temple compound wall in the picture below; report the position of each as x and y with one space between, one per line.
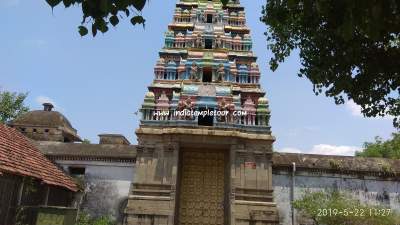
372 181
105 170
107 186
110 171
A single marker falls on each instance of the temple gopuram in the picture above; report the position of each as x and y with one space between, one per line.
204 142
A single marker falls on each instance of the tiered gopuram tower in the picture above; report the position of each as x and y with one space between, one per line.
204 169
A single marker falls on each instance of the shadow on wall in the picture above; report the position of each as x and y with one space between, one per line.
368 190
102 199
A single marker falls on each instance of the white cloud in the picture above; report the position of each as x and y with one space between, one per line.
44 99
355 110
325 149
291 150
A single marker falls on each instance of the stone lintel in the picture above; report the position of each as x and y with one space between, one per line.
255 203
151 198
154 206
183 134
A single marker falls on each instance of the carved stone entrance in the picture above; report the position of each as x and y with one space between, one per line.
202 188
182 177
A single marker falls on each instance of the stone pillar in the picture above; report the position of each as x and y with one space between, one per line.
152 195
252 184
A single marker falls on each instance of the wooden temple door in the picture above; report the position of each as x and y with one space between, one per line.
202 188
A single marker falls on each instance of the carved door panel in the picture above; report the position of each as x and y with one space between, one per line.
202 188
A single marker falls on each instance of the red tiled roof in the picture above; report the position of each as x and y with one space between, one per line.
19 156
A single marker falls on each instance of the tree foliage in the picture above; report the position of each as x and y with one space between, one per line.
12 105
342 209
379 148
100 14
349 49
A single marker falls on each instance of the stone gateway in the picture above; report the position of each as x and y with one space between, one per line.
204 169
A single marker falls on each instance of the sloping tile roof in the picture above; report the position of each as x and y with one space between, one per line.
20 157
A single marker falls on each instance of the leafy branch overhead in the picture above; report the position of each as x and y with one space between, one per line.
100 14
350 50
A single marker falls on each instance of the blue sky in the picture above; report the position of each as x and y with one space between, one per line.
98 83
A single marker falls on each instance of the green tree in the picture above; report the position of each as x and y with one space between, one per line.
348 49
337 208
100 14
12 105
379 148
86 141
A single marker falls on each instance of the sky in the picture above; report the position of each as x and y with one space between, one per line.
98 83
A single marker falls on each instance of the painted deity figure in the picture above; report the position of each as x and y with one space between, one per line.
202 16
199 41
220 72
218 42
222 107
221 16
228 109
185 105
194 72
198 15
